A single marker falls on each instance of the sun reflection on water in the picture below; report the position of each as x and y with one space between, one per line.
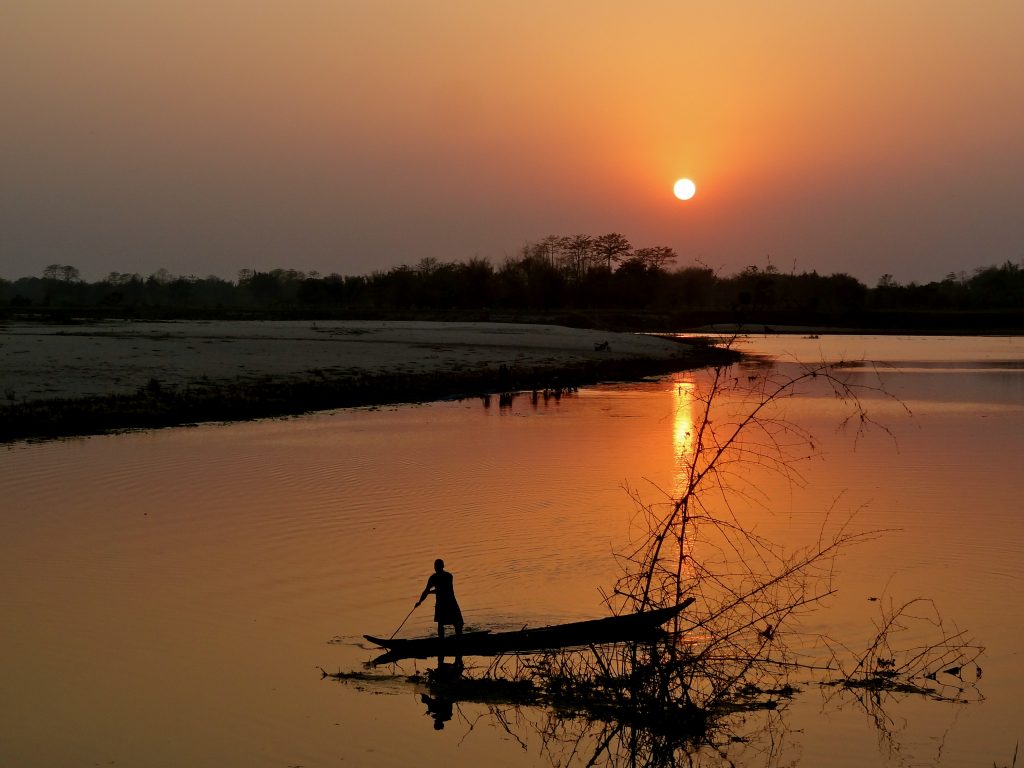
683 433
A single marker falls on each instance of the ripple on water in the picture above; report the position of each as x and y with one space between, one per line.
202 571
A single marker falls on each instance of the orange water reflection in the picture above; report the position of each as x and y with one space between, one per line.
683 436
183 586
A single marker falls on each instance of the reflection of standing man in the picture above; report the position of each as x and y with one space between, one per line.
438 708
446 607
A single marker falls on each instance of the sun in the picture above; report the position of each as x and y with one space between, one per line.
684 189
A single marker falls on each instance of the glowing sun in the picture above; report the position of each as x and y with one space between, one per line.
684 189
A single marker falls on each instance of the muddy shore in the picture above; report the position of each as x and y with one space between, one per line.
97 377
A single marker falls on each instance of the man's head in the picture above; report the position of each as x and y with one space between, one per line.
439 565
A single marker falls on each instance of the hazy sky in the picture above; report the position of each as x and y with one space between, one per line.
204 136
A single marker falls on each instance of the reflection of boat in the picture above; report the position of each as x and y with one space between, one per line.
613 629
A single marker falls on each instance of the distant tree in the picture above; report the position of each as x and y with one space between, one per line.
64 272
576 252
161 277
397 288
847 293
754 289
510 282
655 257
547 249
532 281
695 286
263 289
312 292
476 278
427 266
887 281
997 287
438 284
634 283
611 248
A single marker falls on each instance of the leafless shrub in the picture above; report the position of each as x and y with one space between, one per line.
913 651
732 654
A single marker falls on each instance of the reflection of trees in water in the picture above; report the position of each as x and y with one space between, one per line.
713 689
914 654
577 731
752 740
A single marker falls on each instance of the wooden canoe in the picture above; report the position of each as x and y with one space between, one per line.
613 629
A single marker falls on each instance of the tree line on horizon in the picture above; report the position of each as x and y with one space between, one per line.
576 272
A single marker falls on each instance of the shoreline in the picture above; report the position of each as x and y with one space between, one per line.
908 321
112 377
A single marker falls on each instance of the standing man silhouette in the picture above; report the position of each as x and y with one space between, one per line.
446 607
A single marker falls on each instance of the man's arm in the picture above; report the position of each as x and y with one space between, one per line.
427 590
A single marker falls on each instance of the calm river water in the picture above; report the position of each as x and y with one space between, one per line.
168 597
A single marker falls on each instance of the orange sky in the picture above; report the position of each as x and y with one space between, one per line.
209 136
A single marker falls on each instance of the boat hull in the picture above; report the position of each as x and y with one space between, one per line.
613 629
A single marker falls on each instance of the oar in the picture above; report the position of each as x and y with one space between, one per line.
403 622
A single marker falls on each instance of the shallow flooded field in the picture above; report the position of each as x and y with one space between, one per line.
170 597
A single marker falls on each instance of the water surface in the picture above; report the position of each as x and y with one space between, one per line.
169 596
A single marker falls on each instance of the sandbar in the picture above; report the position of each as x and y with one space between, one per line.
103 364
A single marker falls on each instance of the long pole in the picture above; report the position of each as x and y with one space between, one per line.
403 621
